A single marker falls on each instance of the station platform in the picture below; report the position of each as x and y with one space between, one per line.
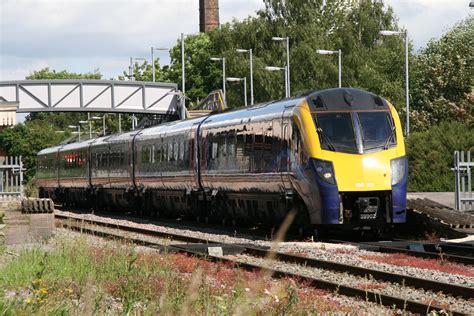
445 198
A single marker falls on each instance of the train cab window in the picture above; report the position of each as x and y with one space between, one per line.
378 129
336 131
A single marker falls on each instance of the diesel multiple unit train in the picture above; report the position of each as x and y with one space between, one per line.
336 157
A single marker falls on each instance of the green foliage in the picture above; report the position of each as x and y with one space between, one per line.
27 139
46 73
443 75
430 155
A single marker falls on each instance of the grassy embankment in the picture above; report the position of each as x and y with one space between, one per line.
76 277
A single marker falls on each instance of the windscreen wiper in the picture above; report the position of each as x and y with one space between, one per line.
326 138
389 139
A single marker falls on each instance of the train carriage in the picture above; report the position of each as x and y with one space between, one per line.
335 156
47 171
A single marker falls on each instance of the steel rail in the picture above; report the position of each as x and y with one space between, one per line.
420 254
423 254
455 290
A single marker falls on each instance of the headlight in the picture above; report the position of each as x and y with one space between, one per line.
325 170
398 167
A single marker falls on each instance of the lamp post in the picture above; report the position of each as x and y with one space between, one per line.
97 118
332 52
287 40
78 127
153 59
239 50
223 75
407 88
471 4
244 79
130 68
90 130
285 69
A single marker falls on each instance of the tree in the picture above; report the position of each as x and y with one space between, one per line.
430 155
27 140
443 76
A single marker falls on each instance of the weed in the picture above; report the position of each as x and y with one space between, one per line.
116 279
400 259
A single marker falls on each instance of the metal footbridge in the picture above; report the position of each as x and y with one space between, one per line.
162 99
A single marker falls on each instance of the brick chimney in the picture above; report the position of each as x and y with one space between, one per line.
208 15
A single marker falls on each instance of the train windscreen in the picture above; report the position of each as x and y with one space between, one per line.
336 132
355 132
377 130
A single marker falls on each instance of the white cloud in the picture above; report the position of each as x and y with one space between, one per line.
426 19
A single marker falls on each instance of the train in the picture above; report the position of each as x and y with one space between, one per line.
335 158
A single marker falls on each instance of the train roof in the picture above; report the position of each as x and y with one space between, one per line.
49 150
346 99
262 111
170 127
77 145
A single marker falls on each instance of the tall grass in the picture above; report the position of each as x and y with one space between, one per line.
76 277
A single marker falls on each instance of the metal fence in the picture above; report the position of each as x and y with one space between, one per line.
464 192
11 177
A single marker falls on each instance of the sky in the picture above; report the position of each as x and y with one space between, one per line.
85 35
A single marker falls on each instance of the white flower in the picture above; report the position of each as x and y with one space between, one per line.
247 289
266 292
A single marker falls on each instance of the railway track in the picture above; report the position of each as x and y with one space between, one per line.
431 250
199 246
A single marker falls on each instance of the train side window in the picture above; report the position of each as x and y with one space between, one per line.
257 152
269 164
145 155
181 150
157 153
185 154
240 145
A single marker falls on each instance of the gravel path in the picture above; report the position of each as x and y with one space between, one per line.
346 254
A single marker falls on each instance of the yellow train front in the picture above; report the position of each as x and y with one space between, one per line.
350 166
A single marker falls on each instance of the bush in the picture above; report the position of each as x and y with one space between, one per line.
430 155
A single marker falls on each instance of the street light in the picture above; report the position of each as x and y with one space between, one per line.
244 79
90 130
153 59
332 52
183 77
130 68
407 88
471 4
287 39
78 130
240 50
96 118
223 74
272 69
